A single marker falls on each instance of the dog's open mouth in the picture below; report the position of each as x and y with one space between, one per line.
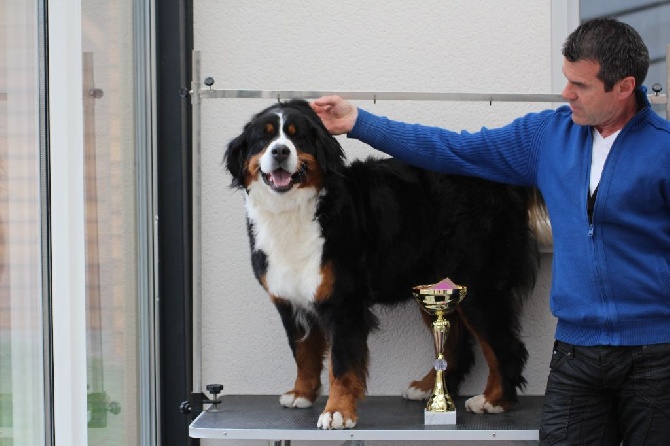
281 180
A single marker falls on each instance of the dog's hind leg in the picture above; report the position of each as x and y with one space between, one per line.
308 346
505 355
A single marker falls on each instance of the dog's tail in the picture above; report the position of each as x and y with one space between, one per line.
539 220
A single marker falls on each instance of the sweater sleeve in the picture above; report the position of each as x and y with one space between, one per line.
508 154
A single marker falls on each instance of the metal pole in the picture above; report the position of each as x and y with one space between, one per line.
211 93
196 219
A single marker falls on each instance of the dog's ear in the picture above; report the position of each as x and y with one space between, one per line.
234 159
329 153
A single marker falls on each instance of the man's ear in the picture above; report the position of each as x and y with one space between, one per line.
626 87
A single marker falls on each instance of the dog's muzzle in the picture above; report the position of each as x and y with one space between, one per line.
280 180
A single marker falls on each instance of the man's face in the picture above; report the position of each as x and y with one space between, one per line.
591 105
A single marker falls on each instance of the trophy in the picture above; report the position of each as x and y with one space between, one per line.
440 299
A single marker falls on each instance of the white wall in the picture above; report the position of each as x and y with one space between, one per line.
432 45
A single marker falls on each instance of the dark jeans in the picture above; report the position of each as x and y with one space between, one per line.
606 395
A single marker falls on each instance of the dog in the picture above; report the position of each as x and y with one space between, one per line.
330 239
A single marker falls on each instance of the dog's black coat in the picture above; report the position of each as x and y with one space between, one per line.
387 227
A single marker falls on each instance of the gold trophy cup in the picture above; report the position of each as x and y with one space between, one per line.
440 299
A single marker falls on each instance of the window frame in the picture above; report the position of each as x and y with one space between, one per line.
63 198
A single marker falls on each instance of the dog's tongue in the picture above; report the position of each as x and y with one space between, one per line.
280 177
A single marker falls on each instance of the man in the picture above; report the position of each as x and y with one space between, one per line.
603 166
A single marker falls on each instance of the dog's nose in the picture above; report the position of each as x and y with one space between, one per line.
280 153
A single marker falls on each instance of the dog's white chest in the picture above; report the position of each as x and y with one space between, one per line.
291 238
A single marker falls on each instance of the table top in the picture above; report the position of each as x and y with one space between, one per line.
261 417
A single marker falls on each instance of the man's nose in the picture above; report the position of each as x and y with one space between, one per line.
568 93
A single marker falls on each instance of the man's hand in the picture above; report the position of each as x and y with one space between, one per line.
338 115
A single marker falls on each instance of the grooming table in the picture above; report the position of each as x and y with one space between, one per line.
260 417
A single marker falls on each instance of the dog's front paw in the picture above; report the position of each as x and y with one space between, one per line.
335 420
293 400
478 404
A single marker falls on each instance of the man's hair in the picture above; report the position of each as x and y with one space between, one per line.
616 46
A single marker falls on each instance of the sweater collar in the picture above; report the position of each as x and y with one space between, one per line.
641 98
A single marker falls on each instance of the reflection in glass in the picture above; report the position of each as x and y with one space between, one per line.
22 385
111 223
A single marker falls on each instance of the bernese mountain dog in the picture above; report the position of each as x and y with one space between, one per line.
329 240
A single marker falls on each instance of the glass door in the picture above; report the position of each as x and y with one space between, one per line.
77 297
114 148
24 411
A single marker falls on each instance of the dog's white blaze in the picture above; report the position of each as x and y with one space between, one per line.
267 162
285 229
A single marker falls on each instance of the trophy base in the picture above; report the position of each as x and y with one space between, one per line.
438 418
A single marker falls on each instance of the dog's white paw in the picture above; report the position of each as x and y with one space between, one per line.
289 400
412 393
334 420
478 404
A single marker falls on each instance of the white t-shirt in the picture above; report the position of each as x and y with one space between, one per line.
601 148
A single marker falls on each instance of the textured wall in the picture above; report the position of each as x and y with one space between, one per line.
434 46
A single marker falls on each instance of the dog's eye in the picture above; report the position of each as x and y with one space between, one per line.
269 128
290 129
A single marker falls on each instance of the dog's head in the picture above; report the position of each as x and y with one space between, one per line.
283 147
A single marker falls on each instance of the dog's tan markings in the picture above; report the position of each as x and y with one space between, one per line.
264 283
253 169
309 354
314 177
494 390
422 389
340 411
325 288
492 399
290 129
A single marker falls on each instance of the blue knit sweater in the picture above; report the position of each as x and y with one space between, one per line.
611 273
